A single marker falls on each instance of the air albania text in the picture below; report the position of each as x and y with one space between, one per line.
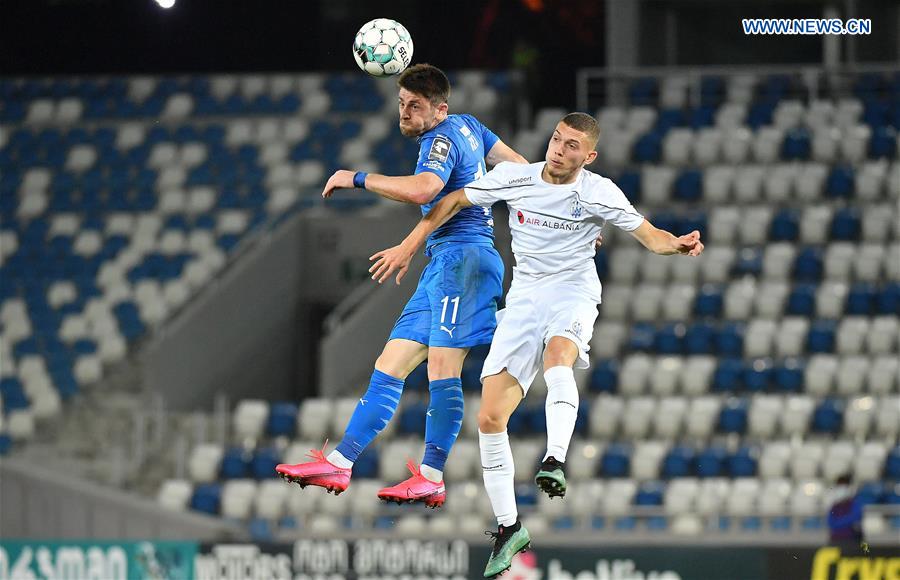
336 560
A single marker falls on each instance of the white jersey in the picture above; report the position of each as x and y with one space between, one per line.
554 227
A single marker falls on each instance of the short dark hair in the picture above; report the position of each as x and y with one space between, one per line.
584 123
426 80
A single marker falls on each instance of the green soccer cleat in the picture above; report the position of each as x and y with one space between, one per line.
507 543
551 478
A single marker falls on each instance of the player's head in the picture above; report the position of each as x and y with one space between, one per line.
572 145
424 91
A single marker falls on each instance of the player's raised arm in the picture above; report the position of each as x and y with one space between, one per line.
398 258
419 189
662 242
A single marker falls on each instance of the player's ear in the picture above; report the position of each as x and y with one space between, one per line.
590 157
443 108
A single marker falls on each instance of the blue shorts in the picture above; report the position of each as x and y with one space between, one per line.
455 303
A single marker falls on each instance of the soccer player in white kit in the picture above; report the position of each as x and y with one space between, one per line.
556 211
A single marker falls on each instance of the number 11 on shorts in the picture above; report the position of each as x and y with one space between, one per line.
446 300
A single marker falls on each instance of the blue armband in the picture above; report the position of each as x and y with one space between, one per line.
359 179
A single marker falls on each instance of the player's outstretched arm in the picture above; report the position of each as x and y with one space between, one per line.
662 242
501 152
419 189
398 258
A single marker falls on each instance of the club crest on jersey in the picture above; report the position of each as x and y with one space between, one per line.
576 209
576 329
440 149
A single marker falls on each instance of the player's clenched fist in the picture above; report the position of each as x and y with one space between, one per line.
390 260
689 244
340 179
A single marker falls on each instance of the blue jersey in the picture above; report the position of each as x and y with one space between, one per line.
454 150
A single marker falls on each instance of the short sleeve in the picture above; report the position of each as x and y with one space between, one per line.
491 187
607 201
438 155
488 137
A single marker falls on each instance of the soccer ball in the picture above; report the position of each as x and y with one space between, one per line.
383 47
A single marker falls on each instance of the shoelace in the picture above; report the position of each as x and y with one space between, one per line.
414 468
318 454
499 539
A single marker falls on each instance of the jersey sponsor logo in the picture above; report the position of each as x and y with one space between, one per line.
519 180
436 165
440 149
576 209
448 330
548 224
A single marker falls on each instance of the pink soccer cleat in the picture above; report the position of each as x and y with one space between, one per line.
319 472
414 489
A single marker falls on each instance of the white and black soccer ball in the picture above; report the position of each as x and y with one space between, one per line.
383 47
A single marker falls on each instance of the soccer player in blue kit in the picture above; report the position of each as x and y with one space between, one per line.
454 306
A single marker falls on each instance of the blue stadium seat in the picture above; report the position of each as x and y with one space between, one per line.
207 498
828 417
808 265
689 186
840 181
733 417
643 91
235 464
883 143
605 376
712 91
821 336
669 118
526 494
789 375
629 182
616 462
889 299
711 461
730 339
260 530
412 419
758 375
699 337
892 464
742 463
785 226
669 338
601 261
760 114
642 337
728 376
14 397
648 148
797 144
846 225
802 300
282 420
650 493
702 116
418 378
5 443
861 300
678 462
366 465
563 523
780 523
263 464
749 262
709 301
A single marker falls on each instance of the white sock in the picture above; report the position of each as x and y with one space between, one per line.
499 473
432 474
336 458
561 408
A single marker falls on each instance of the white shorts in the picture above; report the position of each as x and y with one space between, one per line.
536 311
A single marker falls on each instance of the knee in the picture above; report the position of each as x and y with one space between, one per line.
443 367
490 421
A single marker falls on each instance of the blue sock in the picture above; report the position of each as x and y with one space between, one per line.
443 422
372 413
